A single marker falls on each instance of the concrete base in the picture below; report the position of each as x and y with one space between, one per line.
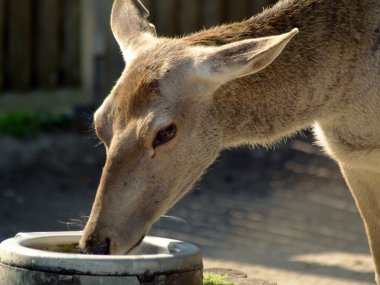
18 276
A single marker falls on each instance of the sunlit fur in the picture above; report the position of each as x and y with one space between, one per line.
211 86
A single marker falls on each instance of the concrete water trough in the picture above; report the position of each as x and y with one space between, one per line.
52 258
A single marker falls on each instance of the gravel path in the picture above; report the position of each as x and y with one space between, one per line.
282 215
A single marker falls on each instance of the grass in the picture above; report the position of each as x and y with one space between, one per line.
215 279
21 124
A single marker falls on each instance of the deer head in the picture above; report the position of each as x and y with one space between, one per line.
159 125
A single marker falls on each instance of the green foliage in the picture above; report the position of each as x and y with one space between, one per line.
21 124
215 279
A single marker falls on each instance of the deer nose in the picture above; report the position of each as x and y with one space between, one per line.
99 247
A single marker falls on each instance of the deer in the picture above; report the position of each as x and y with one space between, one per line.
180 101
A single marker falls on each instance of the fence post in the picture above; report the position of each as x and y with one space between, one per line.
74 18
19 59
167 17
189 16
86 54
47 43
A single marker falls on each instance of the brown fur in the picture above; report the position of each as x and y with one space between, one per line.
140 95
212 87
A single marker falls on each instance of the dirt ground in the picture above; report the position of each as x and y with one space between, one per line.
282 215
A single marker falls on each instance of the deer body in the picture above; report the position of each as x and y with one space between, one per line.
326 74
179 102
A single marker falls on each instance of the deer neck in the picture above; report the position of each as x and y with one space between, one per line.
309 81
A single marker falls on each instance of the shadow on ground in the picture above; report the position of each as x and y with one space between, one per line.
284 215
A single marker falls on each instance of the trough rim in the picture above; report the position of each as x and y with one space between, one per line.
182 257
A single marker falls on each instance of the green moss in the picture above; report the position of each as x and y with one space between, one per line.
21 124
215 279
62 248
67 248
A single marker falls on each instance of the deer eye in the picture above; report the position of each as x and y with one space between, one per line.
164 135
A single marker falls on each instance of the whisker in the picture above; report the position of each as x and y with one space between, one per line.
65 223
99 143
79 222
176 219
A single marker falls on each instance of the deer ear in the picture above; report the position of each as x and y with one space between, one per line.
130 25
224 63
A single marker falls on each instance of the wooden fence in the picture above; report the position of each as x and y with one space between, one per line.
174 17
42 60
49 48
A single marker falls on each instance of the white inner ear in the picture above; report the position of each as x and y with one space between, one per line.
231 61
